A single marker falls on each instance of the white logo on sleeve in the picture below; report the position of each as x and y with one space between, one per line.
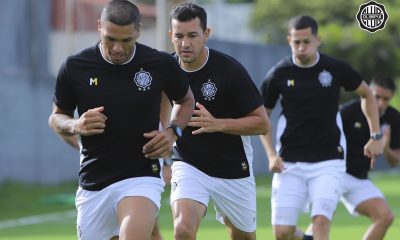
209 90
143 80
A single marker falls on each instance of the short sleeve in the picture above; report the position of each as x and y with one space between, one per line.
64 95
269 90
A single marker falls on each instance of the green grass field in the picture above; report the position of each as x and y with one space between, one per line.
55 208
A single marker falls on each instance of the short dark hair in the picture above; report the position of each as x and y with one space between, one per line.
385 82
302 22
121 12
187 11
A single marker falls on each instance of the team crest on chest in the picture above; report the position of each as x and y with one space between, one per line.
143 80
325 78
209 90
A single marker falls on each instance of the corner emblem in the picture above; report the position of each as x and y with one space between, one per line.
372 16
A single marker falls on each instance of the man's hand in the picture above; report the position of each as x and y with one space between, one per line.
92 122
373 149
160 144
204 121
276 164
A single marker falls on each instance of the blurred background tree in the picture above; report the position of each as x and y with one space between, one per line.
370 53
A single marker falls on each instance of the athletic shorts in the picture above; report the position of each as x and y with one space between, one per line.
303 183
356 191
232 198
97 210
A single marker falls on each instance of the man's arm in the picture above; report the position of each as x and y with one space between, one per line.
182 110
90 123
160 143
165 111
274 160
370 109
254 123
392 156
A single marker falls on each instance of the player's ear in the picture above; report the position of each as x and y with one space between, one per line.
137 30
207 34
170 34
98 25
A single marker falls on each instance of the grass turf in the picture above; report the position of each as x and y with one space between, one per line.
21 200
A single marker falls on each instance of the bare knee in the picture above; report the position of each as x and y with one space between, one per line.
385 219
284 232
320 221
240 235
184 231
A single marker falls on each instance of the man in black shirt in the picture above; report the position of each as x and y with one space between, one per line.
360 195
308 162
116 88
213 158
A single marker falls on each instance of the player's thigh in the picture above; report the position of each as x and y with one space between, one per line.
324 191
357 191
187 182
374 208
136 216
96 217
189 195
288 197
235 199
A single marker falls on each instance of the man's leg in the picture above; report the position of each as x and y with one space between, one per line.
321 226
236 234
136 216
187 216
156 233
378 211
324 189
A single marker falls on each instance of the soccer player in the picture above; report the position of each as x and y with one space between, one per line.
308 162
116 87
213 157
360 195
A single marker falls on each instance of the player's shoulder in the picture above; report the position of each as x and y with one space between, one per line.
333 61
221 57
86 56
147 52
394 113
282 67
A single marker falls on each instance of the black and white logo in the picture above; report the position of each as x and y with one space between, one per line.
209 90
325 78
372 16
143 80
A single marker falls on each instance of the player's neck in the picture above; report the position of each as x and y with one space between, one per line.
312 62
198 63
106 58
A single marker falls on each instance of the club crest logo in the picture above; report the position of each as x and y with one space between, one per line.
372 16
143 80
325 78
209 90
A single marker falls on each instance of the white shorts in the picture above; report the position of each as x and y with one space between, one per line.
97 210
356 191
302 183
233 198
